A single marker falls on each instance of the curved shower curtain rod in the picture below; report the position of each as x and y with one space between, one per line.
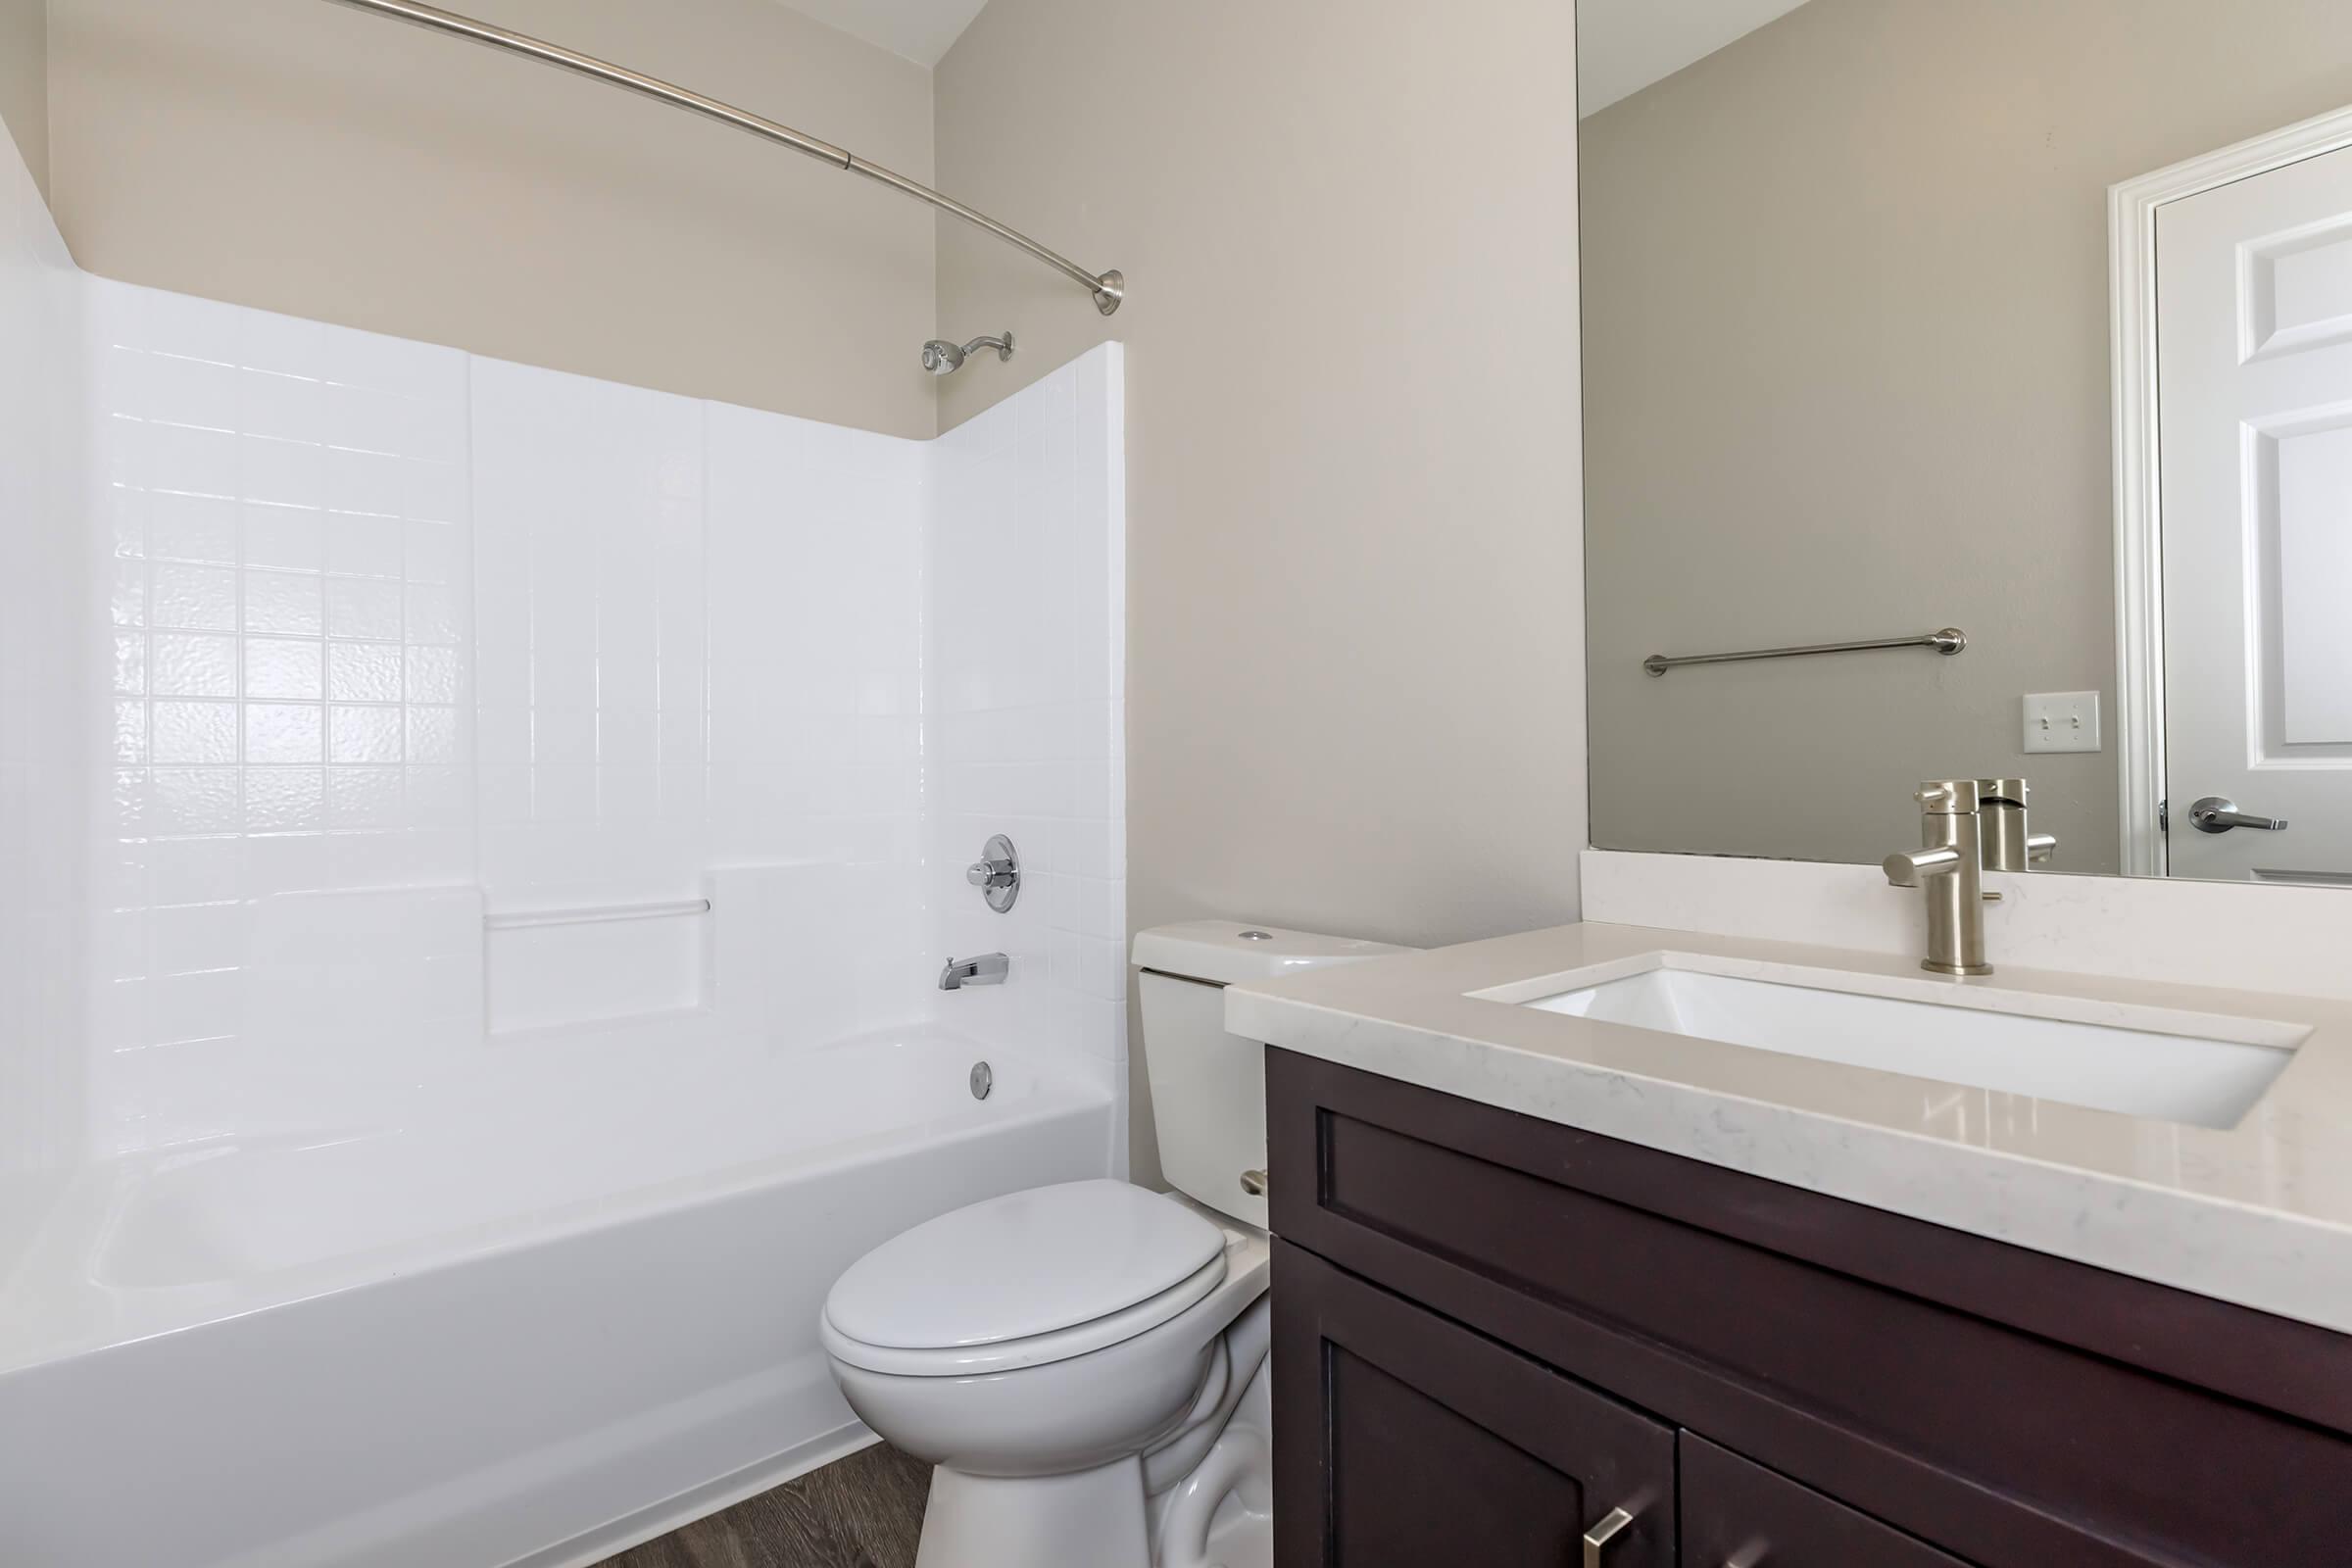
1109 288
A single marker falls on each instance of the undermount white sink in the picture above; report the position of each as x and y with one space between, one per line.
2200 1069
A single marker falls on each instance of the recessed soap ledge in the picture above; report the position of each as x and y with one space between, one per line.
2198 1138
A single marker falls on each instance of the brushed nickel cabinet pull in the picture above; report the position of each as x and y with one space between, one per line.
1600 1535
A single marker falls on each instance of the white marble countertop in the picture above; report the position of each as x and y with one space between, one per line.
2259 1214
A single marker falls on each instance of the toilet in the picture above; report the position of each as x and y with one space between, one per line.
1085 1365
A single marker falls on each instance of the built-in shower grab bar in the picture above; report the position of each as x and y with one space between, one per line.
1109 288
1950 640
594 914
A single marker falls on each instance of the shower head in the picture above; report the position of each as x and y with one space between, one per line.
943 359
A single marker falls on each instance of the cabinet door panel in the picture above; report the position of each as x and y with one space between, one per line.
1741 1515
1402 1439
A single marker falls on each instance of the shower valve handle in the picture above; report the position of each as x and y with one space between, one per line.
996 873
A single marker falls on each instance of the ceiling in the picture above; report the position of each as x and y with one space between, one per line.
919 30
1622 46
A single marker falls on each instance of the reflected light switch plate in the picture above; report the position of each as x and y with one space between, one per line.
2062 722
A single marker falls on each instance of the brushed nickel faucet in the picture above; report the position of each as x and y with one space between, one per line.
2001 811
1950 866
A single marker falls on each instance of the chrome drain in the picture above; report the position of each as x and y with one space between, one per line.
983 1080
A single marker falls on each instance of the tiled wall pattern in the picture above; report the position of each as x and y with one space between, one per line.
1028 704
46 764
384 638
285 513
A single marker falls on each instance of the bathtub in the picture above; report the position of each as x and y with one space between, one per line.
567 1302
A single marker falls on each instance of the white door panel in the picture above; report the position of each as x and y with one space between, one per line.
2254 369
2315 588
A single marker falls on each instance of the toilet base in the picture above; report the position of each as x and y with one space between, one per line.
1090 1519
1222 1514
1219 1516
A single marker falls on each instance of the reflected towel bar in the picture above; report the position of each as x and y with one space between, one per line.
594 914
1949 641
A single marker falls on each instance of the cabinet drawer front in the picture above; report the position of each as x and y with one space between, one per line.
1403 1440
1709 1306
1742 1515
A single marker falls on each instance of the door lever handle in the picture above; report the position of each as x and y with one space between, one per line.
2217 813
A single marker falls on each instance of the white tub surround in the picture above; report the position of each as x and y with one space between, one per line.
1026 728
476 846
2259 1214
46 766
389 617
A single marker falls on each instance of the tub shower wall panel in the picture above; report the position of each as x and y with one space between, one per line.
46 767
815 736
396 624
1028 687
285 515
701 651
591 620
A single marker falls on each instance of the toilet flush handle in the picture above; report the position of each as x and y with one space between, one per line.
1253 1182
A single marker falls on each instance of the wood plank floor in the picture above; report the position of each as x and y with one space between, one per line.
865 1511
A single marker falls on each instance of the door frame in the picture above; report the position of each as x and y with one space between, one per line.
2132 209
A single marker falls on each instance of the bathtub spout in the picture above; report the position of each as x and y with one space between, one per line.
988 969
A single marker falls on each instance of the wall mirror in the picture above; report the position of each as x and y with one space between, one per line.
2026 321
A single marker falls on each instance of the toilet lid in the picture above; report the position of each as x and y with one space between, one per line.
1024 1264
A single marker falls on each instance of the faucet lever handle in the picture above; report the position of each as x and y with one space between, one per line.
1904 869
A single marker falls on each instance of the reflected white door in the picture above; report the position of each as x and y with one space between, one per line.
2254 388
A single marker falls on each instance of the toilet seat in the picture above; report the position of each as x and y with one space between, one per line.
1022 1280
1006 1356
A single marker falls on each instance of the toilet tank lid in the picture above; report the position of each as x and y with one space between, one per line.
1235 952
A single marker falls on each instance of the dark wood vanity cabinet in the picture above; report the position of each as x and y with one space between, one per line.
1435 1445
1491 1330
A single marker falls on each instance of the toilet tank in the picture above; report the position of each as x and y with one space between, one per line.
1208 1088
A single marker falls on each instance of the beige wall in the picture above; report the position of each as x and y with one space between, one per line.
1354 618
304 158
1847 345
25 83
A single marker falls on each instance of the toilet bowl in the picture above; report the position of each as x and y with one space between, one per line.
1059 1426
1085 1365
